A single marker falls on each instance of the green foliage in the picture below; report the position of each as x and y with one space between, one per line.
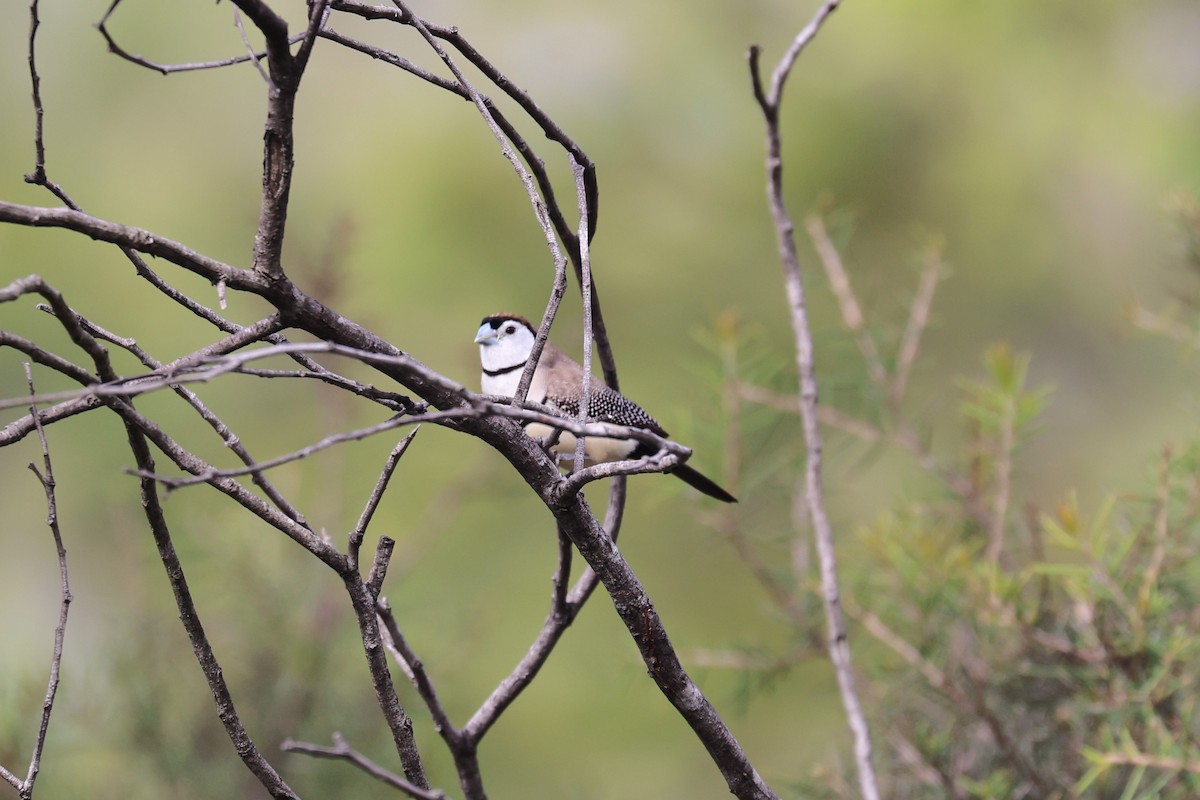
1008 650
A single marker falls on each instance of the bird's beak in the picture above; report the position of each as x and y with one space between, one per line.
485 335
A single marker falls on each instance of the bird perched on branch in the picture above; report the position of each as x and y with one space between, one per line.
505 344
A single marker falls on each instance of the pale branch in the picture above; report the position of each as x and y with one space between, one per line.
343 752
558 290
575 481
851 310
549 127
527 180
588 206
770 101
10 778
255 59
585 287
918 321
45 477
257 467
167 69
173 375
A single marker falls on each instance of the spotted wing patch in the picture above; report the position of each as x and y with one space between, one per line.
607 405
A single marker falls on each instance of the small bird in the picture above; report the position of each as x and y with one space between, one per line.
505 343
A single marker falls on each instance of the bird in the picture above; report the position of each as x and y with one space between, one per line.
505 344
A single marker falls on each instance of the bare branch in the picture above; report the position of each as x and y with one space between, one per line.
250 54
258 467
226 711
379 567
46 479
852 315
342 751
918 320
398 721
585 286
260 330
38 176
134 238
562 613
463 748
385 477
167 69
839 648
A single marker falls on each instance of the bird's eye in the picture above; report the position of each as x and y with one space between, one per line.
510 328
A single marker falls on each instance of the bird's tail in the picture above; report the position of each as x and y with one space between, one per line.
702 483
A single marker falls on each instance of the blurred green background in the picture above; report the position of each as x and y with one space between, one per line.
1041 142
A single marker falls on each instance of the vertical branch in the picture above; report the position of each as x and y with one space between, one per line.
398 721
918 320
839 647
998 522
585 286
278 137
48 486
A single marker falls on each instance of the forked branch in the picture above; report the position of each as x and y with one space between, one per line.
770 99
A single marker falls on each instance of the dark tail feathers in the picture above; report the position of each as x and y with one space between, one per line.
702 484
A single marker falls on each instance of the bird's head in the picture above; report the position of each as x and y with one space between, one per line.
504 340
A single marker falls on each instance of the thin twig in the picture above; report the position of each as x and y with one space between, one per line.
918 321
343 752
562 614
251 333
839 648
1159 553
585 286
259 467
539 205
385 477
852 315
46 479
463 748
250 54
167 69
998 521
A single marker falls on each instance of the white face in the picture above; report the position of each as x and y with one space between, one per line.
504 348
